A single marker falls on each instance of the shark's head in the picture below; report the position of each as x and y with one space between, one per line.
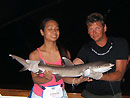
103 68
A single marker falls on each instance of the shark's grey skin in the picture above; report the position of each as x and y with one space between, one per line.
67 70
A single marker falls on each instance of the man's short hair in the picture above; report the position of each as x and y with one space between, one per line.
94 17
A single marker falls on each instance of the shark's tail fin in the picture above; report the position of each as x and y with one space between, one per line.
28 64
20 60
23 69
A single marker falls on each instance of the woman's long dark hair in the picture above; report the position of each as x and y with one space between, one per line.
62 50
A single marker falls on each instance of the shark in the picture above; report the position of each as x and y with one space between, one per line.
67 70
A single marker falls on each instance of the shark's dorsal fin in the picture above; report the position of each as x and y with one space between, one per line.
67 62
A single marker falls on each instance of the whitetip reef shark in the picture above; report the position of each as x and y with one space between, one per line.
67 70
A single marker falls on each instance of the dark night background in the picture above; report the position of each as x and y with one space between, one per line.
19 32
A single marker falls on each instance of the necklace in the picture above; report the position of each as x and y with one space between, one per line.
104 52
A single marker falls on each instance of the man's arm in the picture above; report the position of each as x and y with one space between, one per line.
78 61
113 76
119 72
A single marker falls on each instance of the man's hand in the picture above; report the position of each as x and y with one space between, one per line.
77 81
82 79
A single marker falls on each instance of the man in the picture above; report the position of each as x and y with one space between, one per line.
103 48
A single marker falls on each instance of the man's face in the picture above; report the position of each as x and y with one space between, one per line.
96 31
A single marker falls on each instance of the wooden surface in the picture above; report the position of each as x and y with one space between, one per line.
25 93
14 92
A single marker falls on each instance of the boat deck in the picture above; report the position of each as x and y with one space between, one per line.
18 93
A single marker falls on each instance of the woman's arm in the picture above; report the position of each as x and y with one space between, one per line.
41 80
36 78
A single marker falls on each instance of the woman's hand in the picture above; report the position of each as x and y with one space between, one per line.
48 75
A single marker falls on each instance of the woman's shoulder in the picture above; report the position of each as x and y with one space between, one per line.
34 55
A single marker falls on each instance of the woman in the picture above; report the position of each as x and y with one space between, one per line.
46 85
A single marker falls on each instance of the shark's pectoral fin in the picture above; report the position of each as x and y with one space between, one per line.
39 72
57 77
86 73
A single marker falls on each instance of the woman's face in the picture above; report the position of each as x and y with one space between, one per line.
51 30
